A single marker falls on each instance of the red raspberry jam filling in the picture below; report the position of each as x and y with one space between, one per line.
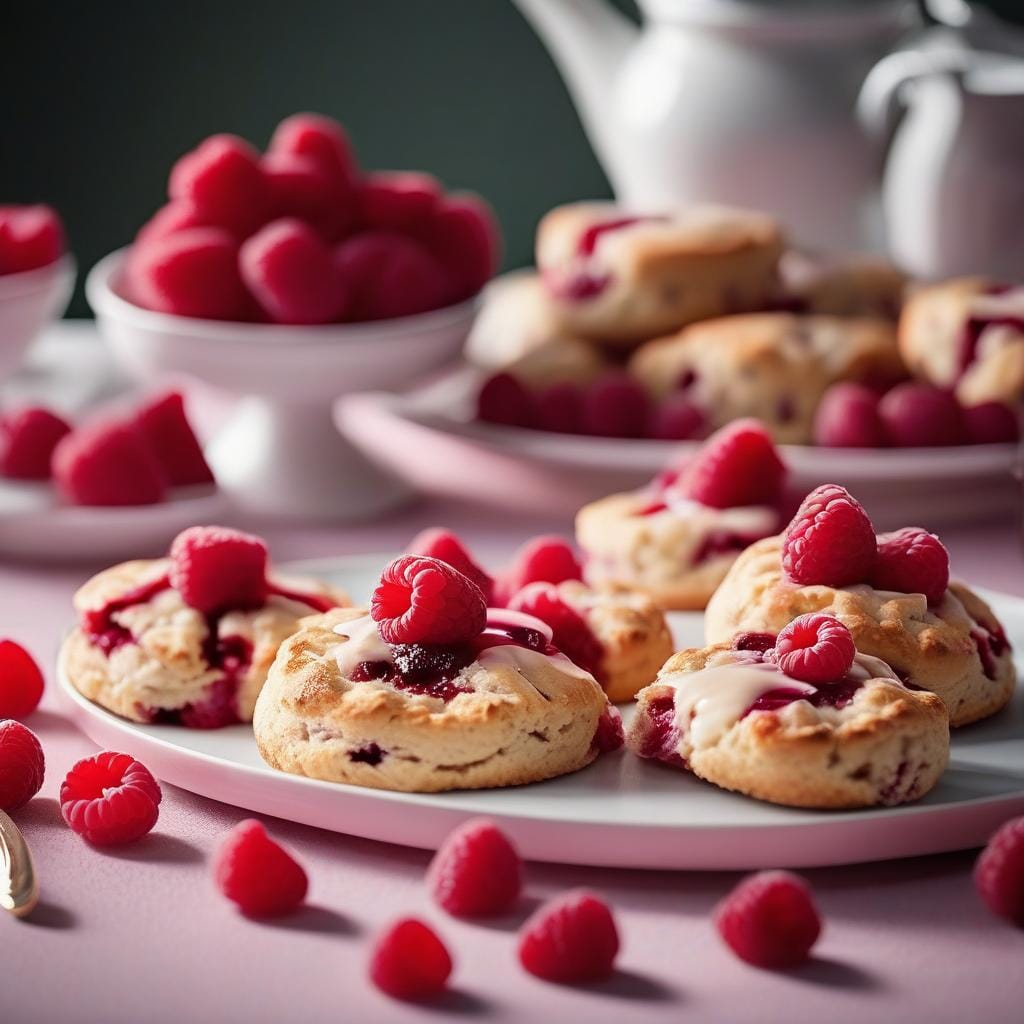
609 734
98 623
371 754
991 644
974 327
661 738
826 695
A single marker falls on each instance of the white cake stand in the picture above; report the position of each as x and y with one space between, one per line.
28 302
281 455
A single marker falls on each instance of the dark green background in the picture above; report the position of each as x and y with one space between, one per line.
98 99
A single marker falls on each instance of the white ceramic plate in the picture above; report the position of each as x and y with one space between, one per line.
619 812
431 438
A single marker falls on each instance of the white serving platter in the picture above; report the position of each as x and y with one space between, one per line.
619 812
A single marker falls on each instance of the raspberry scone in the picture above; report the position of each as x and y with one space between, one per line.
967 334
187 639
801 719
429 692
620 278
772 366
893 592
676 539
861 286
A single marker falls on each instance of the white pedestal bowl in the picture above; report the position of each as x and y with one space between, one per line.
28 302
281 455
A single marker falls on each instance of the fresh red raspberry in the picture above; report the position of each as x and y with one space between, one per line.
425 601
177 215
560 408
21 682
191 273
769 920
164 424
737 466
108 462
570 939
110 799
30 237
676 418
464 236
300 187
830 541
991 423
477 872
544 559
216 569
290 272
912 561
398 200
506 400
920 415
223 179
322 140
409 961
257 873
616 405
815 648
27 440
570 632
389 276
999 872
847 417
445 546
22 765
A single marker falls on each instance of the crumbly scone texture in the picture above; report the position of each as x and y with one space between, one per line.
166 668
653 553
631 629
511 729
773 366
931 647
700 262
888 746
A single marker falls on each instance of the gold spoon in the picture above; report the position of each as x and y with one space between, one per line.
19 886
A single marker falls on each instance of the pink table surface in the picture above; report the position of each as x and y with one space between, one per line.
141 934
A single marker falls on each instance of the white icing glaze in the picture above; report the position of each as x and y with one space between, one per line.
498 617
363 644
525 660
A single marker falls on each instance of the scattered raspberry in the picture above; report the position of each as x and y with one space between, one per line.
769 920
257 873
464 237
504 399
815 648
21 682
912 561
108 462
830 541
920 415
447 547
991 423
847 417
737 466
570 632
323 141
409 961
398 200
477 871
215 569
570 939
544 559
110 799
30 237
300 187
616 405
164 424
22 765
424 600
290 272
560 408
999 872
676 418
27 440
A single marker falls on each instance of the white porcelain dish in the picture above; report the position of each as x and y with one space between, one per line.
28 302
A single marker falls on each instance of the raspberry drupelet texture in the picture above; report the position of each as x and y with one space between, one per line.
215 569
445 546
912 561
815 648
22 765
999 872
571 939
545 559
257 873
110 799
409 961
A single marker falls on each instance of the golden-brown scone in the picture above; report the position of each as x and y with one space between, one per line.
967 334
335 707
773 366
141 652
861 286
559 361
859 742
621 278
957 650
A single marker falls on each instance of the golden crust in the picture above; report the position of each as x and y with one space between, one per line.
515 726
932 647
861 286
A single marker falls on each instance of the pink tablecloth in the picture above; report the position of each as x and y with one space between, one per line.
141 935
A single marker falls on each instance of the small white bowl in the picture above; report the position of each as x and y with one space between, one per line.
282 455
28 302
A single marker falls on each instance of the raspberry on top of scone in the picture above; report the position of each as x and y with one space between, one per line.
187 639
802 718
430 690
677 538
893 592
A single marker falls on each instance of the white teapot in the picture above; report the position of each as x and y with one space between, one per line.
734 101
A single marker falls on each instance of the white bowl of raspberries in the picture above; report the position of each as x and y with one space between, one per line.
291 278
